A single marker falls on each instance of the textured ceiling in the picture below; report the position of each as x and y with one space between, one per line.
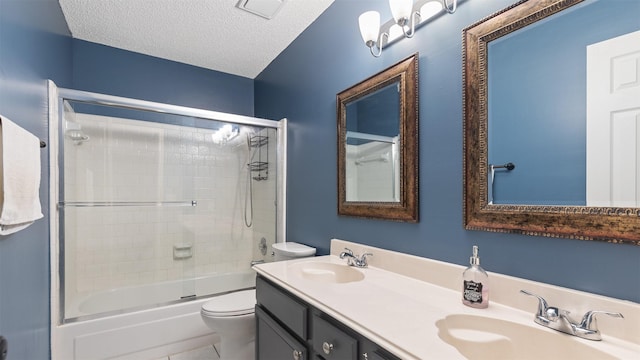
212 34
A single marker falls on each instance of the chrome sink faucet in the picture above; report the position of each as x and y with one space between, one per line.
355 260
559 320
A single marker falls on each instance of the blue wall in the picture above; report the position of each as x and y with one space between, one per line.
34 47
542 128
302 83
107 70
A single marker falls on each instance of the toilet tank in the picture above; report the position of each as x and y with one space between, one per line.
291 250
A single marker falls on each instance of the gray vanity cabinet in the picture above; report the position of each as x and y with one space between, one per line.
274 342
331 342
289 328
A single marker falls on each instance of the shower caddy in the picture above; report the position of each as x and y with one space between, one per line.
261 165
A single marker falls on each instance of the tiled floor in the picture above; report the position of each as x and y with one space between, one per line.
204 353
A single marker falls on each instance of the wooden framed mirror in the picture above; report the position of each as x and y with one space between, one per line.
504 96
378 145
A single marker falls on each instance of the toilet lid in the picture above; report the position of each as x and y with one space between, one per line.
294 249
232 304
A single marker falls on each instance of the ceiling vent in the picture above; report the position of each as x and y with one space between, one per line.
264 8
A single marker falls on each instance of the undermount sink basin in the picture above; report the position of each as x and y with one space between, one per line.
326 272
478 337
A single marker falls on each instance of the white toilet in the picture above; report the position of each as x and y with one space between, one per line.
232 316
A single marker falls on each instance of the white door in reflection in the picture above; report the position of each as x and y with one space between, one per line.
613 122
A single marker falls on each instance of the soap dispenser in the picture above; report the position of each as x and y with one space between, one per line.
475 287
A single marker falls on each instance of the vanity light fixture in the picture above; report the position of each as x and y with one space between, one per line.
404 21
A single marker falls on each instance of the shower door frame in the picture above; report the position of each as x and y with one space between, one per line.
56 100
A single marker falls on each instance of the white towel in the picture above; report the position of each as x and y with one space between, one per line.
19 177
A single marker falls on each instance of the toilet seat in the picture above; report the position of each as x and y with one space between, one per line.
233 304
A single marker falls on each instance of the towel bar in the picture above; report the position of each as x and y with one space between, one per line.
509 166
125 203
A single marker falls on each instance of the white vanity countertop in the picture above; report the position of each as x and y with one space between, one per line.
400 312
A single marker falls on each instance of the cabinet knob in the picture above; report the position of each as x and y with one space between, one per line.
327 347
297 355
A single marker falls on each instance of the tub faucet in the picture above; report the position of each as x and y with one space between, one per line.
355 260
560 320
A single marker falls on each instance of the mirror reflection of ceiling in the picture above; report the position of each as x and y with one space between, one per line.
537 109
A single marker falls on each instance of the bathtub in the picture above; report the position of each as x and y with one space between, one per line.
138 332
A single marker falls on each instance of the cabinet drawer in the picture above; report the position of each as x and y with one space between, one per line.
374 352
331 342
290 312
273 342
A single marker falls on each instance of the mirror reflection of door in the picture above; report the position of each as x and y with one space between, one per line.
613 122
537 109
372 138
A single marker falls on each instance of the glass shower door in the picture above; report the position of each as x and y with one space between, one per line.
127 203
160 204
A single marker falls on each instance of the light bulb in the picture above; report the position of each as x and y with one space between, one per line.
401 9
369 26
